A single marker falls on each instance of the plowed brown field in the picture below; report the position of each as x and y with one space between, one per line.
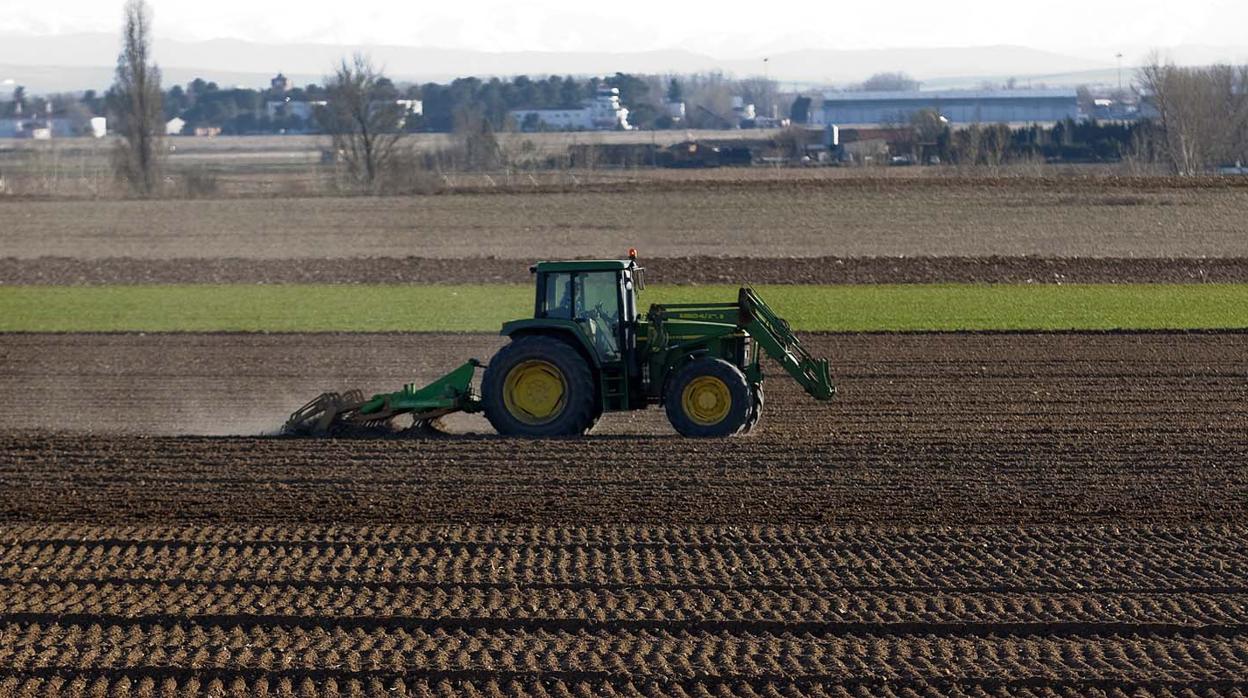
1059 514
622 610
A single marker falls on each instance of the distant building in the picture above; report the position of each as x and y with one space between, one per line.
866 145
98 127
713 153
676 110
602 113
306 111
413 107
280 84
1111 109
174 126
285 109
958 106
743 112
36 128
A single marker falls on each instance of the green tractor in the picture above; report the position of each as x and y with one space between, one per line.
587 350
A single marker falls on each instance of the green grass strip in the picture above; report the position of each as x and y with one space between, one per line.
483 307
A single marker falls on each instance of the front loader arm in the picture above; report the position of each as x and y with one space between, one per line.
772 333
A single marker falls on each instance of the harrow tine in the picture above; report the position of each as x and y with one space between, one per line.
322 413
426 428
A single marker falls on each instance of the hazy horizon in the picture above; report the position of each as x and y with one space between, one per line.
729 30
72 44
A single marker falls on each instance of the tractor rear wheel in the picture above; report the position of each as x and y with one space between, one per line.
539 386
708 398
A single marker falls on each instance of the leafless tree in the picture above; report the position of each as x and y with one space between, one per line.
929 128
968 145
928 125
135 103
996 144
1238 112
476 141
363 119
764 94
709 99
1201 113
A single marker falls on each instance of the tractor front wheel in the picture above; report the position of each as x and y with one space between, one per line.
756 411
539 386
709 398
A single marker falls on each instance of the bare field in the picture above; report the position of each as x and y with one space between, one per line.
622 610
926 430
1004 515
785 218
921 386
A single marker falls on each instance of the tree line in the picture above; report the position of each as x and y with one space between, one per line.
1200 120
243 111
927 138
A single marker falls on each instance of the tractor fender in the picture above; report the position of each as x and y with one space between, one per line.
565 330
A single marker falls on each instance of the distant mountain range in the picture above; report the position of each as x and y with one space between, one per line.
82 61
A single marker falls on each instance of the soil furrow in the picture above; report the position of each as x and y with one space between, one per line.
627 653
171 681
691 607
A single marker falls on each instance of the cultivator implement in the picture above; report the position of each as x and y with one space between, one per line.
330 414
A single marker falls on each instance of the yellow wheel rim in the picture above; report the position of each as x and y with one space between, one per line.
706 400
534 391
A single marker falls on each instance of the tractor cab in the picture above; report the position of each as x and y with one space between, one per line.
598 296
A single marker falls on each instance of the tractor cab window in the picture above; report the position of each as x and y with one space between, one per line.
597 303
558 296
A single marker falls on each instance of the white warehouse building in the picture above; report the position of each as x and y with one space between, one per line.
602 113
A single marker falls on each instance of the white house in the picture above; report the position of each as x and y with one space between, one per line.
174 126
676 110
602 113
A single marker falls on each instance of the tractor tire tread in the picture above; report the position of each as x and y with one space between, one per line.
758 400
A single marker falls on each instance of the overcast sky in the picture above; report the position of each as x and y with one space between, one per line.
726 29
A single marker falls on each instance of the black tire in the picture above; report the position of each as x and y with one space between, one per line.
579 399
736 412
756 409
